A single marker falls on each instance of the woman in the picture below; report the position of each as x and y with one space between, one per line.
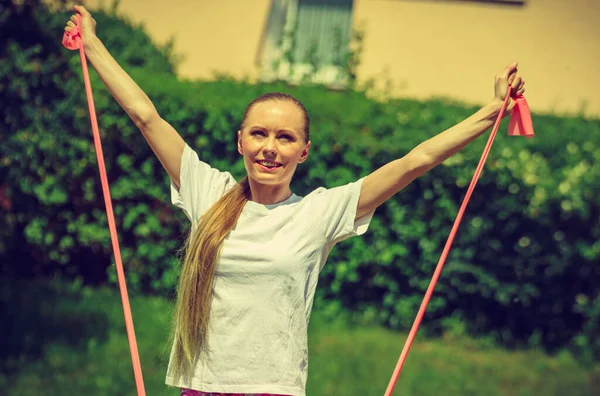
255 248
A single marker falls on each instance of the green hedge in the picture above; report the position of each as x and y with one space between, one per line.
523 267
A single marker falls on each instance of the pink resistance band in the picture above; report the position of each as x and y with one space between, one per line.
72 40
520 125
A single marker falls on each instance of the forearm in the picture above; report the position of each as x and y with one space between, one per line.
127 93
442 146
386 181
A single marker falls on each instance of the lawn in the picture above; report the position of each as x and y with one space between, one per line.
77 344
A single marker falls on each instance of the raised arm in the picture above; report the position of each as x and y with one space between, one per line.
386 181
164 140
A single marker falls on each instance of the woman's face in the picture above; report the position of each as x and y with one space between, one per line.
272 142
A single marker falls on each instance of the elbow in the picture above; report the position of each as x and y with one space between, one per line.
145 117
419 163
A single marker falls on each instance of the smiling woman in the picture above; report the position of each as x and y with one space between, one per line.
255 249
274 139
254 257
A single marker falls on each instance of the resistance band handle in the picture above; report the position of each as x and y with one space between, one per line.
520 125
73 40
520 120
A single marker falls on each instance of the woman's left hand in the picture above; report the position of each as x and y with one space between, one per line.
509 76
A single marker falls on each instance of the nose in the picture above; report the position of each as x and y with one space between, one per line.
269 147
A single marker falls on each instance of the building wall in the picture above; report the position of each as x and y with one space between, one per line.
213 36
456 48
423 48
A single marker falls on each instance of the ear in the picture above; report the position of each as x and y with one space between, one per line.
240 150
304 153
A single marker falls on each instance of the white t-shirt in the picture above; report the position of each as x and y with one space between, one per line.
265 281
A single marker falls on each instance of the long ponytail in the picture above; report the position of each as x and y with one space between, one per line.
194 292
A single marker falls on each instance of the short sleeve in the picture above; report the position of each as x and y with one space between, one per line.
200 185
336 210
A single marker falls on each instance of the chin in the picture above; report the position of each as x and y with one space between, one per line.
267 179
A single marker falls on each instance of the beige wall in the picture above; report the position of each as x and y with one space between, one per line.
213 35
425 48
452 48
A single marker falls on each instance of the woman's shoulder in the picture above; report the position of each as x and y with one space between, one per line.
331 192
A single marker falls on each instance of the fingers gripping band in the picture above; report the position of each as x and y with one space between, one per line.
72 40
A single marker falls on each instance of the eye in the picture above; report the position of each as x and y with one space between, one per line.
285 137
257 133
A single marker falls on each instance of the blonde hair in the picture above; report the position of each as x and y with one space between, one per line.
202 249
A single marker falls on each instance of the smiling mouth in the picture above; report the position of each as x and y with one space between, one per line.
269 164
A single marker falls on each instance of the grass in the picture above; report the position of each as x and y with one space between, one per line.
344 360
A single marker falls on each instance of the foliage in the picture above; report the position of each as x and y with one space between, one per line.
343 360
48 192
523 268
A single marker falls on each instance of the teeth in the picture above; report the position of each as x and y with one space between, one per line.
267 163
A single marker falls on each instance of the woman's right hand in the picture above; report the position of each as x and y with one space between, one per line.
88 24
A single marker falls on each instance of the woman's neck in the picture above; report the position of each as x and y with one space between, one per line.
265 194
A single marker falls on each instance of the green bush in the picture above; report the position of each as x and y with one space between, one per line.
50 193
523 267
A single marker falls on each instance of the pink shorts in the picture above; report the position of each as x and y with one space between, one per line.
190 392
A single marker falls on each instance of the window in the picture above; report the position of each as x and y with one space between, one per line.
306 40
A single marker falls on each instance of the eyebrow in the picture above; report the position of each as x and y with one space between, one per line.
279 130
